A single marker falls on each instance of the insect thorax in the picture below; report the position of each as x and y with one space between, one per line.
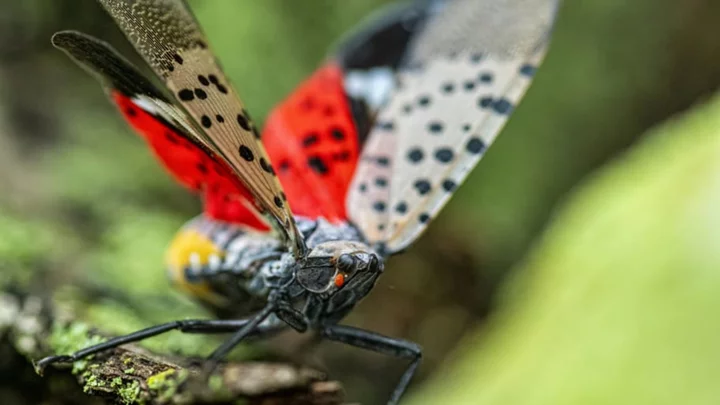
247 264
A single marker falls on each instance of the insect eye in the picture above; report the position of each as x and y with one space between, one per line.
345 263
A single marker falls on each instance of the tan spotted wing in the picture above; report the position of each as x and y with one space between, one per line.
169 38
465 73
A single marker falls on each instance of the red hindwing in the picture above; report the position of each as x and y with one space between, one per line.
313 143
226 199
311 139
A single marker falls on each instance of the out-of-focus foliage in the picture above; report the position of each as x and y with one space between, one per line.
616 304
23 245
84 204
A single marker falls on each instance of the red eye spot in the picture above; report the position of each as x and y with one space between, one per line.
339 280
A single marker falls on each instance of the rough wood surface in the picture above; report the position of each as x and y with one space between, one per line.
135 375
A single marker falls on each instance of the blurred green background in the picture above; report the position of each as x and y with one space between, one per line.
612 305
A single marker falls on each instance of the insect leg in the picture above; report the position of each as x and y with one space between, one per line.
294 318
376 342
246 330
187 326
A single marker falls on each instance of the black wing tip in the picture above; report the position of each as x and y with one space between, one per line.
64 39
71 41
390 28
101 60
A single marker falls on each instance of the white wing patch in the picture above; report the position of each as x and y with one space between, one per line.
449 104
369 193
373 86
448 137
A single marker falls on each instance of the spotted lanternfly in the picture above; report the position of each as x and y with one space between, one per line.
359 158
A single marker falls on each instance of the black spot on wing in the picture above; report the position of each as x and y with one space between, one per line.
485 102
186 95
310 140
317 165
422 186
243 122
266 166
449 185
337 134
172 138
475 145
503 106
435 127
246 153
386 125
528 70
424 101
379 206
415 155
444 155
342 156
486 77
476 58
200 94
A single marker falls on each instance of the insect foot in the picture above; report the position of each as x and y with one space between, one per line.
42 364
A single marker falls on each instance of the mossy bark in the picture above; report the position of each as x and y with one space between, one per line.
132 375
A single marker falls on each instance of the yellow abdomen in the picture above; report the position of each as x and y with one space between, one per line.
190 251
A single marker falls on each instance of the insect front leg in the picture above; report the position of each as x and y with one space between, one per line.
208 326
277 305
376 342
246 330
294 318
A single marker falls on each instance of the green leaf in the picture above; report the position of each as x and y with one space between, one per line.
618 303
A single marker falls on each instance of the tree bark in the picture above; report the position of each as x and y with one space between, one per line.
131 374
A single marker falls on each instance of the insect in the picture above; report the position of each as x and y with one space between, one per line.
351 169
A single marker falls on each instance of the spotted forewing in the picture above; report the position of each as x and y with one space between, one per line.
169 38
462 78
169 132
